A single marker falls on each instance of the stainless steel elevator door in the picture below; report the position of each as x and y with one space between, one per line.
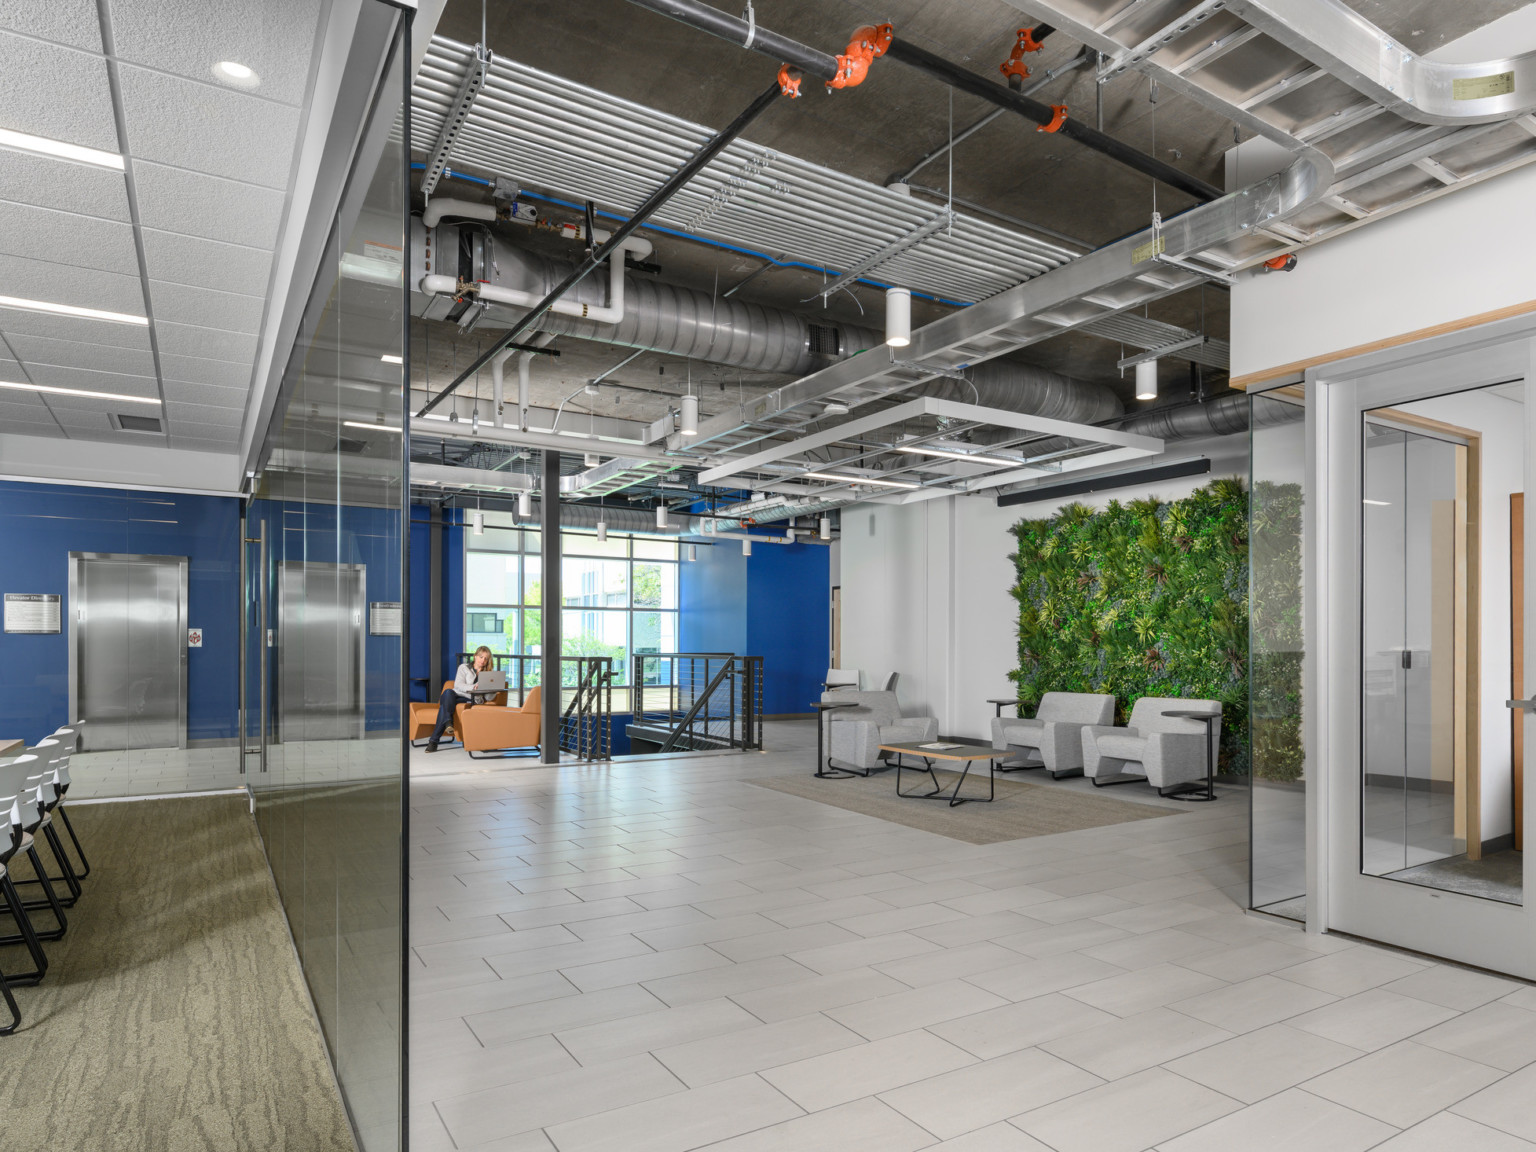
320 651
128 626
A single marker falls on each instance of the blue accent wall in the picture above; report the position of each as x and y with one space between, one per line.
774 604
41 524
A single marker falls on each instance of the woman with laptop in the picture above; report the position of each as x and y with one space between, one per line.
467 687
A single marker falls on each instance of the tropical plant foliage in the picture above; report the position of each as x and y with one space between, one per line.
1140 599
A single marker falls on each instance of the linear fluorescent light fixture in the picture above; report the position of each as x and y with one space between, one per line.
968 457
858 480
70 310
78 392
1378 503
369 427
388 359
23 142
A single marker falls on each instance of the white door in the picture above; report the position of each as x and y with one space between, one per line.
1417 455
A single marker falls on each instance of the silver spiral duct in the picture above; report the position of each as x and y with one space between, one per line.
684 321
1226 416
1025 388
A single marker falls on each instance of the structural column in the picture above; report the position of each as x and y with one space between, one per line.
549 612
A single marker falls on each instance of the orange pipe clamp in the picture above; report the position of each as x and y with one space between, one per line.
1014 65
1057 120
868 44
787 86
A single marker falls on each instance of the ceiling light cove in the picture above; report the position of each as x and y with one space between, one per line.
858 480
71 310
968 457
20 387
388 359
22 142
235 74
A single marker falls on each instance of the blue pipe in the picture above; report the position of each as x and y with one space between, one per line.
449 173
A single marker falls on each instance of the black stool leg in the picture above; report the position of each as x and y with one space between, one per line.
66 875
50 901
85 865
10 1003
28 936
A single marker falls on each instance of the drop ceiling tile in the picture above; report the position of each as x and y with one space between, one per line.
63 185
18 405
80 287
274 39
180 392
16 322
73 354
81 241
72 22
206 307
61 93
216 433
205 414
195 444
209 129
210 343
193 204
80 420
202 263
195 370
92 381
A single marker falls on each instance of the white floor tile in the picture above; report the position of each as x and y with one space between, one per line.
686 1120
1264 1062
981 1094
1293 1121
1128 1115
1403 1084
866 1070
1446 1132
736 1053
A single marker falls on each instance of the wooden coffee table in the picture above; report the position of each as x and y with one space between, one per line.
929 751
12 747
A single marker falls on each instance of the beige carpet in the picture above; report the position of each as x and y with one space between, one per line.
1020 810
173 1016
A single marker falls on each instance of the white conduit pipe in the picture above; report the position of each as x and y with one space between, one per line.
612 314
437 209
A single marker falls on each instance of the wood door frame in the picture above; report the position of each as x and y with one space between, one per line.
1467 710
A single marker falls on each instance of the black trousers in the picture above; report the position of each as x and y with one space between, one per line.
446 703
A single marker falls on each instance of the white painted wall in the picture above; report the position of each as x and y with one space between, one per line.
926 591
1461 255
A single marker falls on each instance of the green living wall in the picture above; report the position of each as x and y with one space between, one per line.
1140 599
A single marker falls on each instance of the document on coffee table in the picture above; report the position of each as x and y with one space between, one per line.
940 747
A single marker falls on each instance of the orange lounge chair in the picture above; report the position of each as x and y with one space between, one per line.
424 717
489 728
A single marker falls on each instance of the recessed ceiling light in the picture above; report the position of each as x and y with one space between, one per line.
388 359
857 480
968 457
370 427
237 74
70 310
22 142
78 392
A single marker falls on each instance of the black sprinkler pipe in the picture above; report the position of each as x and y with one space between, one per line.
1042 114
595 257
706 18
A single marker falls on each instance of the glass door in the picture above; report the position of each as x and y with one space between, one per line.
1421 575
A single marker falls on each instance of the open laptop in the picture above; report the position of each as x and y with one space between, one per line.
491 680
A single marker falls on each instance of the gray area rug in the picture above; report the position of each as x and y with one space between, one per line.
1020 811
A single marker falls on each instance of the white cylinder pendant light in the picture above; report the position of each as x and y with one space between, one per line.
746 547
478 520
525 505
591 459
826 528
661 515
688 422
898 317
602 530
693 552
1146 380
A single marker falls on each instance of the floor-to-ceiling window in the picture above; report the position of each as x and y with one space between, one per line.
619 595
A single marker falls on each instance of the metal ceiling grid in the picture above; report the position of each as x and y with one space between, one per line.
1313 73
182 237
561 136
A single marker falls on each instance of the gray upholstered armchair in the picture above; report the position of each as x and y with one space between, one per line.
1169 751
857 733
1053 739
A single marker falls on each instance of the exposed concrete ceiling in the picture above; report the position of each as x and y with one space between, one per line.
873 132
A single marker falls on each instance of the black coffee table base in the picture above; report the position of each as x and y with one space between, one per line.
953 797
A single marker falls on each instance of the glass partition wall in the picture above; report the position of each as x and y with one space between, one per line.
323 570
1277 872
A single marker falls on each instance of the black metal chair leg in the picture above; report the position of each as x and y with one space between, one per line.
85 865
10 1003
27 936
50 901
66 869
